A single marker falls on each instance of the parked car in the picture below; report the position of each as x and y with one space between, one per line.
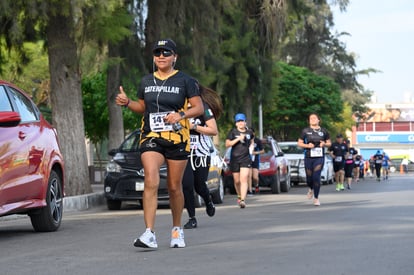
274 170
395 165
31 164
124 176
296 157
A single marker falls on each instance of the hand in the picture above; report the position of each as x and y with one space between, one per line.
172 118
322 144
121 99
311 145
241 137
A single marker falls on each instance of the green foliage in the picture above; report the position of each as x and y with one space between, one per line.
95 108
300 93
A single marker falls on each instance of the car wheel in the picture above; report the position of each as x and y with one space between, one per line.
49 218
218 196
113 204
286 185
275 184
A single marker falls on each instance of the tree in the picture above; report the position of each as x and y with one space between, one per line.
301 92
59 23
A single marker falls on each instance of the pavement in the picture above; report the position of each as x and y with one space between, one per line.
86 201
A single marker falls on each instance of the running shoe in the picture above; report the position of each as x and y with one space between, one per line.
147 240
210 209
242 204
310 194
342 187
338 187
249 193
316 202
192 223
177 238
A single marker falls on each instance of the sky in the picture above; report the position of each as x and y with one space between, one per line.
382 37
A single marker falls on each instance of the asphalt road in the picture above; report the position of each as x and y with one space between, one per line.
368 230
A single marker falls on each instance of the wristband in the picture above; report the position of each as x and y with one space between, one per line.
126 105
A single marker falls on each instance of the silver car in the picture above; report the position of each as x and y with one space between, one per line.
295 155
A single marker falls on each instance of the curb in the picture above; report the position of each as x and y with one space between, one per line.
83 202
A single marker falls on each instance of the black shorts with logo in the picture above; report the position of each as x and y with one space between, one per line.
166 148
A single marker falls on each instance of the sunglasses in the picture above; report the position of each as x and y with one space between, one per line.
165 53
240 120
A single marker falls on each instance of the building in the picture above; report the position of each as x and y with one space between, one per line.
388 128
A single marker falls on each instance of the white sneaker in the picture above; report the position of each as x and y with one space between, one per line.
147 240
177 238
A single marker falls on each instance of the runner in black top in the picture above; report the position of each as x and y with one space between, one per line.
338 152
350 164
313 139
202 151
254 179
378 164
163 98
240 139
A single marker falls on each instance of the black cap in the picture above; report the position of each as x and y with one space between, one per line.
167 44
339 136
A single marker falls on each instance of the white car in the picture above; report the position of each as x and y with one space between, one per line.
295 155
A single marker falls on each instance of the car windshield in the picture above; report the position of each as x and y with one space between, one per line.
131 144
291 149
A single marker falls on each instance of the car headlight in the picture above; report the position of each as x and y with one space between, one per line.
264 165
113 167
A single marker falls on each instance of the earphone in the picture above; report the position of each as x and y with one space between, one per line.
175 59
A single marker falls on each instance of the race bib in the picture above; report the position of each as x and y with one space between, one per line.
316 152
157 123
357 162
338 159
194 141
378 161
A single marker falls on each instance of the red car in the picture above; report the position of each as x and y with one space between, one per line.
274 169
31 164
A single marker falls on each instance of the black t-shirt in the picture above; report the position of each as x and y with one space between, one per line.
378 158
168 95
310 135
201 144
339 150
352 152
240 150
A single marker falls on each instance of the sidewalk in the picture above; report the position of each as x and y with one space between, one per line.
86 201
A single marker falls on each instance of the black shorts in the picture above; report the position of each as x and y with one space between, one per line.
338 166
255 164
166 148
236 165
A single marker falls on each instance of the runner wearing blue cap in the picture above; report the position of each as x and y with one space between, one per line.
241 141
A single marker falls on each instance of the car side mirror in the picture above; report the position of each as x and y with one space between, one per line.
9 119
112 152
280 154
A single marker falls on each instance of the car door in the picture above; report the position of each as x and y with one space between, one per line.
281 161
13 157
27 151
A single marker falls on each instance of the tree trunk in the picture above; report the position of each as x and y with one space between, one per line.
66 98
116 123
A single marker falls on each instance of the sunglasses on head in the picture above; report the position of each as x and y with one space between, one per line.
165 53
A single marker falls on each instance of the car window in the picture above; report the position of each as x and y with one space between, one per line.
131 144
291 149
24 106
4 101
268 151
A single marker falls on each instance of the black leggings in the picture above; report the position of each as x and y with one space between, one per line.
314 168
378 169
195 179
